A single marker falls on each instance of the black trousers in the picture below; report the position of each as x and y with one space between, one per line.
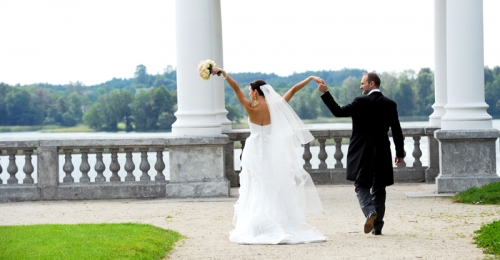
372 201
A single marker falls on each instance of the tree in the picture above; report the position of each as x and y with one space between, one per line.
389 84
75 87
304 105
153 110
492 93
424 97
233 114
350 90
94 118
141 77
21 108
404 98
4 89
109 110
76 103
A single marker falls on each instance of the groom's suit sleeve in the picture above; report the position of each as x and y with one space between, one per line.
338 111
397 132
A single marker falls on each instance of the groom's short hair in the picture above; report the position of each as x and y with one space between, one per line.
372 76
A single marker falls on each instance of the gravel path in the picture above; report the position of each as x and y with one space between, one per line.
419 225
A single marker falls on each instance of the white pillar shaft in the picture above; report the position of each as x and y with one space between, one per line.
439 63
465 108
196 114
218 57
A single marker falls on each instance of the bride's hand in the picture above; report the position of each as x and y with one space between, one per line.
318 80
217 71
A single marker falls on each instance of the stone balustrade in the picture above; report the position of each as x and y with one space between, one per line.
196 166
335 174
152 182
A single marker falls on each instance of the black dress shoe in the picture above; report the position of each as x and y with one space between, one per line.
369 222
377 232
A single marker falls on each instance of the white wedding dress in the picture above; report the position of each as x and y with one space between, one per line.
275 192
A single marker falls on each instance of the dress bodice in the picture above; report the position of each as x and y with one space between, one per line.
259 129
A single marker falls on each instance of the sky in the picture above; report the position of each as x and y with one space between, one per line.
93 41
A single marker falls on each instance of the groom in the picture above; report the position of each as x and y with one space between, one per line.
369 161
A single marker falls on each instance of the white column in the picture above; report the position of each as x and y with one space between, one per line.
465 107
439 62
196 114
217 51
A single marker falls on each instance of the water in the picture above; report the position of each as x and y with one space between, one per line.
76 158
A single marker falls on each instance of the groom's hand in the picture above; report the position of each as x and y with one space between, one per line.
398 161
322 87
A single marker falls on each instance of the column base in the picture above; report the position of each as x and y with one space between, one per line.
467 159
454 184
198 189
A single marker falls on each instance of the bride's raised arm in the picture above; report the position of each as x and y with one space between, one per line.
232 83
299 86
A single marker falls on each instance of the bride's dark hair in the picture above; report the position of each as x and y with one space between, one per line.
256 86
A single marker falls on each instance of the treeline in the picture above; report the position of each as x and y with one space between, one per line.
144 103
148 102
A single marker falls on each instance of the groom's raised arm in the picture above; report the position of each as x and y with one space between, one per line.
338 111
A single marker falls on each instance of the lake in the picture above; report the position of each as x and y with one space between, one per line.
76 159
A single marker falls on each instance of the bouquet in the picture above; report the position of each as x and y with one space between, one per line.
205 69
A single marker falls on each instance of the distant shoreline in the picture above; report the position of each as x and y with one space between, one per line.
242 125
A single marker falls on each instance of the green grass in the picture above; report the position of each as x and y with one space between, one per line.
488 235
73 129
45 128
86 241
121 126
489 238
20 128
487 194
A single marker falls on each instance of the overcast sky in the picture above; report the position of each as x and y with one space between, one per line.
92 41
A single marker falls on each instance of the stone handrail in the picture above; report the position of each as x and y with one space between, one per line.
198 166
48 186
336 174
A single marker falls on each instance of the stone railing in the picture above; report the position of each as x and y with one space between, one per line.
335 174
196 169
196 166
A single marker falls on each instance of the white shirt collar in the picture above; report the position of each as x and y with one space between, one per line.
373 90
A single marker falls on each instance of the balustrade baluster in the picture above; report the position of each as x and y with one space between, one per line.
1 182
144 165
338 153
99 166
307 156
68 166
114 167
322 154
159 165
129 165
85 166
12 167
28 167
417 153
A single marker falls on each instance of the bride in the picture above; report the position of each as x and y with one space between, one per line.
275 192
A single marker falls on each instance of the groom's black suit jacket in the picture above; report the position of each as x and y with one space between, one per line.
369 154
